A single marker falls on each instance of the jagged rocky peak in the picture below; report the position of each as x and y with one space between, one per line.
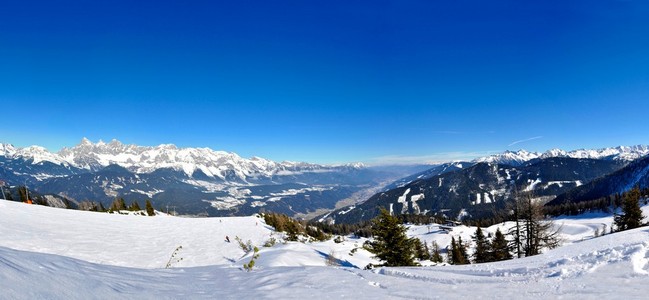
146 159
508 157
555 153
7 149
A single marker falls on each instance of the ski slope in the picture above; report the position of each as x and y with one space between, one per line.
64 254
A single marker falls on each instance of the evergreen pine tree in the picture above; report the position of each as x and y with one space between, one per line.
457 254
482 252
118 204
426 252
500 247
391 244
452 252
631 216
134 206
436 256
149 208
461 247
22 191
421 250
292 230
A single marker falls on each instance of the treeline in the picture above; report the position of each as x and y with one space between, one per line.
24 195
119 204
604 204
294 228
362 229
487 249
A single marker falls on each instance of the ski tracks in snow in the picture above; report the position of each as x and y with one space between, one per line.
359 275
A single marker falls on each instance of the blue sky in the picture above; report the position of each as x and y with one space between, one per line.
327 81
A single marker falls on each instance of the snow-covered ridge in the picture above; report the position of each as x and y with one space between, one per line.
624 153
142 159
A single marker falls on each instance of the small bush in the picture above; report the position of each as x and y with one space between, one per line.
251 264
270 242
246 247
332 260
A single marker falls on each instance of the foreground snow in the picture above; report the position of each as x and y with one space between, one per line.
94 255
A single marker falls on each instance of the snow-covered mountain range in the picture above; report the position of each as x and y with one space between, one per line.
205 181
221 164
141 159
195 180
515 158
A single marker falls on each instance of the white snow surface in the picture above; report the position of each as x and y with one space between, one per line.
50 253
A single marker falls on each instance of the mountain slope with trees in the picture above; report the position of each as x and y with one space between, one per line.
480 190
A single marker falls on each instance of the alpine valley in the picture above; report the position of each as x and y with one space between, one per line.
481 188
201 181
194 181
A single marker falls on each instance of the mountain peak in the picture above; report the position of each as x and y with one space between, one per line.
515 158
86 141
7 149
146 159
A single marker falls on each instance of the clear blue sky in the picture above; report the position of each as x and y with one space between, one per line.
327 81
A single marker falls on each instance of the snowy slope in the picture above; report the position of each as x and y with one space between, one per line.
116 256
122 240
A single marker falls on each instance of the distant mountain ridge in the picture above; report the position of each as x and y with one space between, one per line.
481 189
219 183
632 175
191 180
517 158
227 166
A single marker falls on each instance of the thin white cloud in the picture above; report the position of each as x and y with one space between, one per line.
434 158
525 140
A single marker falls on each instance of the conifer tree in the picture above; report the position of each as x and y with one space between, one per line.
118 204
149 208
464 257
482 246
436 256
22 191
421 250
292 231
457 253
500 247
450 253
134 206
390 243
631 216
532 232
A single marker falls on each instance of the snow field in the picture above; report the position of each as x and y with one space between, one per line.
81 255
